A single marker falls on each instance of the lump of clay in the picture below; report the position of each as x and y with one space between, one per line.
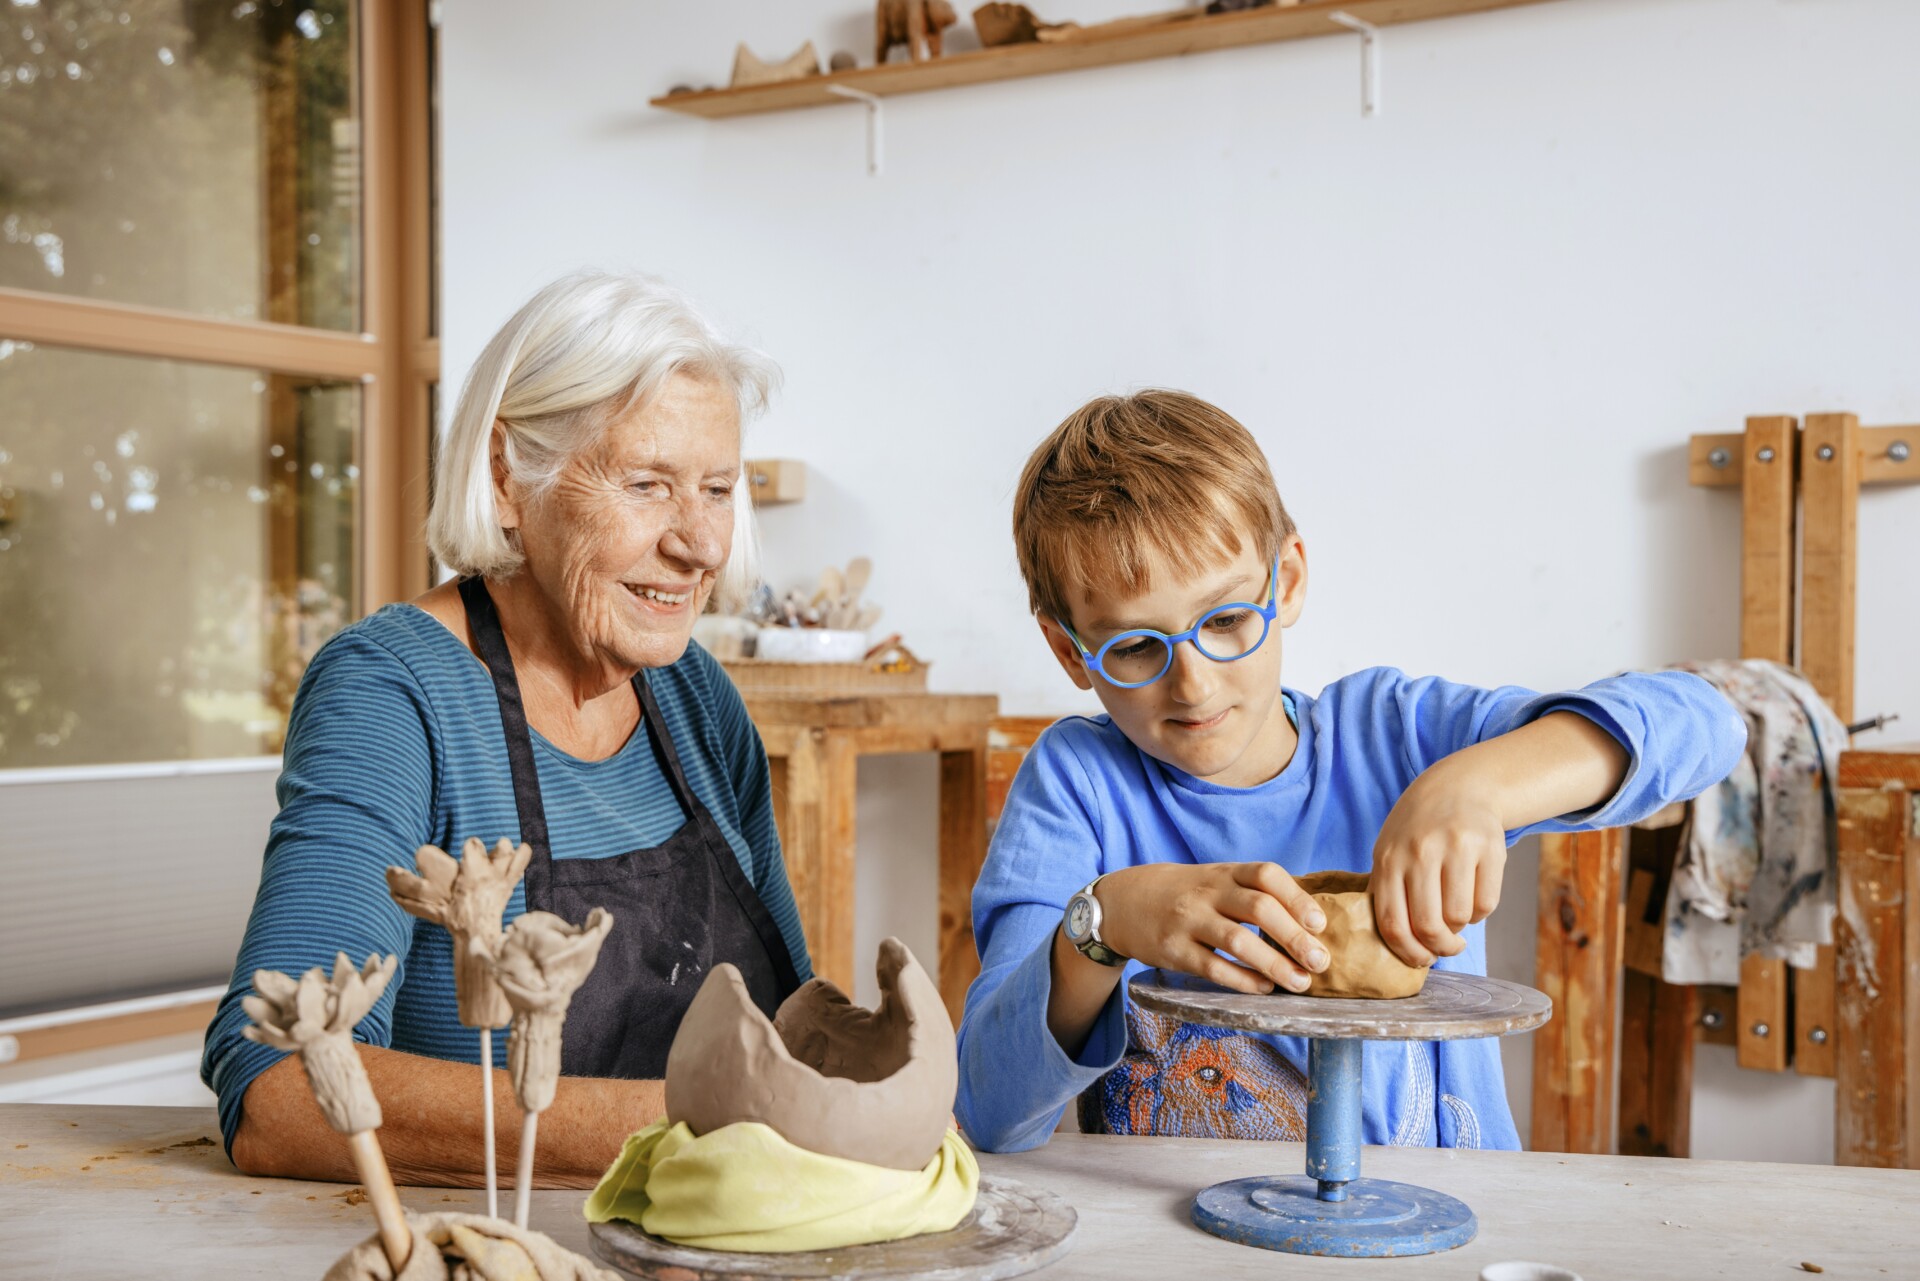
874 1086
468 1247
1362 964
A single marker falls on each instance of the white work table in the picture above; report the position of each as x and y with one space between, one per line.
113 1192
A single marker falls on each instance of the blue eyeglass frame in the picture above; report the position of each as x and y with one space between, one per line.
1268 611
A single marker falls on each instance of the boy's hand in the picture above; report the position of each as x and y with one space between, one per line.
1173 916
1436 867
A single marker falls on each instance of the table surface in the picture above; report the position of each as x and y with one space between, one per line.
99 1192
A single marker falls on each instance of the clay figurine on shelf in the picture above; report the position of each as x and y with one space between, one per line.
749 70
825 1127
540 962
467 897
1363 966
1002 24
916 24
842 61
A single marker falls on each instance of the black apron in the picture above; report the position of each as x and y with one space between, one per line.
678 909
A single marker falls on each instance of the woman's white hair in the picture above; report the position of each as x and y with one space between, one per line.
583 351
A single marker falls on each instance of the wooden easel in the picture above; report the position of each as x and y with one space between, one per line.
1594 952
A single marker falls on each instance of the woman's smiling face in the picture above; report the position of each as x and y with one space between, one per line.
625 546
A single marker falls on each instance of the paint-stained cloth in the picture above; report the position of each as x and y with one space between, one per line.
1755 872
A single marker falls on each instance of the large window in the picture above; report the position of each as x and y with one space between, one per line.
216 360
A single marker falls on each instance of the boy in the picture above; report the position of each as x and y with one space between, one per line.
1162 568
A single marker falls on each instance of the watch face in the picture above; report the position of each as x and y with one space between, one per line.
1079 917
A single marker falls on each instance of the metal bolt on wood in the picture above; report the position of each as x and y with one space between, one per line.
1718 459
1712 1018
1899 451
1825 453
1766 454
1761 1029
1818 1036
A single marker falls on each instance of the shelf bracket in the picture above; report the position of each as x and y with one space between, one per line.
872 102
1369 60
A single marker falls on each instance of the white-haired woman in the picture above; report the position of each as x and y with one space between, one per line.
589 501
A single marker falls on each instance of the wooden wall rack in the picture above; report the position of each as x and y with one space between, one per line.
1105 46
1598 956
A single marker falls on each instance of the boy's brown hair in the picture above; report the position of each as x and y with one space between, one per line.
1156 471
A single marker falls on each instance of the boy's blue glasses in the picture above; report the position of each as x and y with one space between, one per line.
1224 633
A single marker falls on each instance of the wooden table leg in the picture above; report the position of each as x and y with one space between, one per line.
963 851
814 798
1870 942
1578 967
1656 1066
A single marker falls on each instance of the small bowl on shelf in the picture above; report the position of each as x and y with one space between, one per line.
810 645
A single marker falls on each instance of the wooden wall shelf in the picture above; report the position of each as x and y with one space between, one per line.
1097 48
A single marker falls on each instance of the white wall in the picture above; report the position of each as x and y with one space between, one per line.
1473 334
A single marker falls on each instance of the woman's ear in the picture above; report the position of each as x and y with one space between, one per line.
505 505
1293 579
1065 652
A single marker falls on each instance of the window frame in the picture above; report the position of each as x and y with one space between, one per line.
396 358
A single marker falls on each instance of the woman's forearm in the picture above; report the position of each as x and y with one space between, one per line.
431 1129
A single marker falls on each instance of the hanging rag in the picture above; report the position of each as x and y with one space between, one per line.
1755 872
744 1188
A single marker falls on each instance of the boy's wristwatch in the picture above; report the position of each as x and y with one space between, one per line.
1082 927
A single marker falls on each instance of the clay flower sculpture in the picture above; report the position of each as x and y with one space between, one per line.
539 963
467 898
874 1086
314 1018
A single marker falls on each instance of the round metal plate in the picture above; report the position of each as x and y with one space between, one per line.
1451 1007
1379 1218
1014 1229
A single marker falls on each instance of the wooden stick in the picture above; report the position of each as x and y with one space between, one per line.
486 1111
395 1237
523 1181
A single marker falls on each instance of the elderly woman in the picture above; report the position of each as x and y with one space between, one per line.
590 502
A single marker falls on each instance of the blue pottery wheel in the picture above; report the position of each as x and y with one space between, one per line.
1331 1210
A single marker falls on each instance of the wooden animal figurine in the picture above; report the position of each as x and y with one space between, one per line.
314 1018
916 24
467 898
540 962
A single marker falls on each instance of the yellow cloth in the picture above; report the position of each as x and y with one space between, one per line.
743 1187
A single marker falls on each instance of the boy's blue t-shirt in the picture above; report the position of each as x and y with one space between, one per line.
1087 802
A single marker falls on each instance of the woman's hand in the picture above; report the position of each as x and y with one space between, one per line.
1437 865
1175 916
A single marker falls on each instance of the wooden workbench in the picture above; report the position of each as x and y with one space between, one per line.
815 742
110 1192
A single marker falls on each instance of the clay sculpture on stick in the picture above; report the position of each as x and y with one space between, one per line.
1362 965
824 1127
539 963
467 897
314 1017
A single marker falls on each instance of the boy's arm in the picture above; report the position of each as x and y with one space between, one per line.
1042 1021
1493 765
1015 1077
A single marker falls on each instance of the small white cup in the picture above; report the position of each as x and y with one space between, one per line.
1517 1271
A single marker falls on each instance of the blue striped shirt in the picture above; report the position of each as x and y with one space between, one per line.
395 742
